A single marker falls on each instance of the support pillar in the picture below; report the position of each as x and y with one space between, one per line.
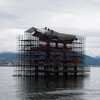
65 67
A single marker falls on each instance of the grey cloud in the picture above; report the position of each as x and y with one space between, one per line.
81 17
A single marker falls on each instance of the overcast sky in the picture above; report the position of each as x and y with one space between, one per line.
80 17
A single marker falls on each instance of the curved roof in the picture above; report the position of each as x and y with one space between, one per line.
52 34
31 30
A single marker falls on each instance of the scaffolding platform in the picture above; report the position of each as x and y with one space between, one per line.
47 52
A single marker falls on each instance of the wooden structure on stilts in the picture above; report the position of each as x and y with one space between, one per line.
45 52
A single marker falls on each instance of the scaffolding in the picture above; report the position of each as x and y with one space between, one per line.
45 52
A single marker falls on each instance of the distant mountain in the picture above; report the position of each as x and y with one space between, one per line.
92 61
7 57
10 57
97 58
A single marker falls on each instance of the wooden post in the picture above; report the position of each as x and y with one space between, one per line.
75 61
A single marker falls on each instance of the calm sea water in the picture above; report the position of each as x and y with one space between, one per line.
80 88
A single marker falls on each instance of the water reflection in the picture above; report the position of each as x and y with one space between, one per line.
41 88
